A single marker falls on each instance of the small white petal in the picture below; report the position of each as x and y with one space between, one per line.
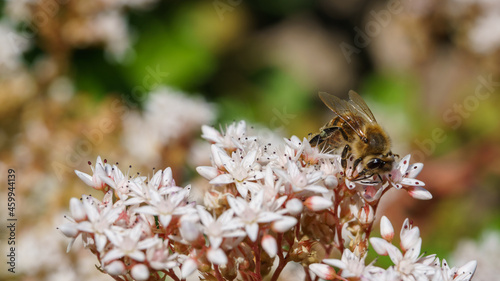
222 179
76 209
87 179
318 203
269 245
216 241
236 205
140 272
323 271
207 172
188 268
252 231
165 220
148 209
386 229
189 231
335 262
115 268
380 245
249 159
69 230
284 224
394 253
294 206
210 134
403 164
205 217
216 256
415 169
412 182
137 255
409 238
113 254
468 268
100 241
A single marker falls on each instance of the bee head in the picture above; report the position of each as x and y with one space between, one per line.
380 164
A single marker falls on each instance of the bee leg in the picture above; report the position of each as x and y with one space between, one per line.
381 180
345 153
315 141
356 163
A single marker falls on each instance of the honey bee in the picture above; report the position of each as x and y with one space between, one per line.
356 131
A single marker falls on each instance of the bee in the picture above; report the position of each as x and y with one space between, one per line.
356 131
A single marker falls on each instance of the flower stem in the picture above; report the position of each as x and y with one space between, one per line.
217 273
282 261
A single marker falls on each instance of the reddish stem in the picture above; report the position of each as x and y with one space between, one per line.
217 273
282 260
172 275
256 250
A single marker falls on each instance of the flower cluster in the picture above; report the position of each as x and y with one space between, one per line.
269 204
409 264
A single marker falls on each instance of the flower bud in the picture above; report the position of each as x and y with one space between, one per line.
115 268
140 272
294 206
366 214
318 203
419 192
386 229
331 181
269 245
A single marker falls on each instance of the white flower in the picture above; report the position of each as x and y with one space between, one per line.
403 176
463 273
229 140
303 149
351 265
243 171
251 214
128 243
301 180
408 265
99 220
217 230
159 257
99 172
166 206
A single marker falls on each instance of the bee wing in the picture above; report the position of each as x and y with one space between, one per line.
357 102
346 111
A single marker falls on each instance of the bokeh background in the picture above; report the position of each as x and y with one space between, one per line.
134 80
